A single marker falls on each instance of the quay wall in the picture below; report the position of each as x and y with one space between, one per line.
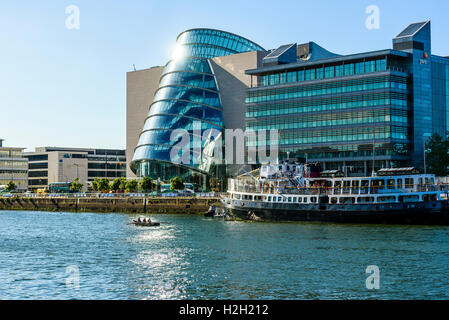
188 205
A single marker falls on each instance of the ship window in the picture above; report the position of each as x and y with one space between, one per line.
347 200
429 197
399 183
305 200
237 196
364 186
355 186
390 184
285 199
334 200
365 199
408 183
269 198
299 200
386 199
346 186
295 199
409 198
289 199
313 199
279 199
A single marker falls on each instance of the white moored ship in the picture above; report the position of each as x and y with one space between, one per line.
291 191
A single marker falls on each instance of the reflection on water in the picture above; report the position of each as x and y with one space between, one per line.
192 257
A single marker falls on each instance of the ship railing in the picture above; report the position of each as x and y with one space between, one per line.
339 190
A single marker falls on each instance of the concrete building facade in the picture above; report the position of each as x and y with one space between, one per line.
140 88
13 167
54 164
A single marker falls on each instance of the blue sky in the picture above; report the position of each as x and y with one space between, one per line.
62 87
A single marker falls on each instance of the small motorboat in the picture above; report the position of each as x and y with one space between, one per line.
214 212
147 223
211 211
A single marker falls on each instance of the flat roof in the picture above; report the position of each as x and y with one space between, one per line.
328 60
12 148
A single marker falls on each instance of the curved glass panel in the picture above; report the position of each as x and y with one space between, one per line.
189 78
187 94
188 64
190 94
219 38
161 136
187 109
177 122
205 50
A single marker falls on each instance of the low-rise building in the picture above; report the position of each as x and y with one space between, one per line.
13 167
56 164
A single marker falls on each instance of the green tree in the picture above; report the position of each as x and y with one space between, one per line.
103 185
437 155
118 184
131 185
122 186
146 184
95 184
115 184
76 186
176 183
11 186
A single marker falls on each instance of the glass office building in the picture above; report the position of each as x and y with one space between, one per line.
350 112
187 98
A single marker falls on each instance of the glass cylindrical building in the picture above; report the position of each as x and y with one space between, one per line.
188 98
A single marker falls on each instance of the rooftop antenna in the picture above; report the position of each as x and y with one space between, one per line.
134 66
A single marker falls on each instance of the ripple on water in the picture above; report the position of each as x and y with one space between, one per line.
191 257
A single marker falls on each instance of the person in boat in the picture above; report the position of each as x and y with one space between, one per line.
144 220
138 219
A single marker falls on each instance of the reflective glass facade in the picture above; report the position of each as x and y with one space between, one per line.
332 113
188 95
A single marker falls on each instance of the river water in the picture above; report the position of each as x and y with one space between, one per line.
49 255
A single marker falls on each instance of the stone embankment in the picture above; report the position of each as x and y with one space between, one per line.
189 205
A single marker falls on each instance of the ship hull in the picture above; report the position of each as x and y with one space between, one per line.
412 213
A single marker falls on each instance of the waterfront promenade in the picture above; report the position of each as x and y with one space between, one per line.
137 203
